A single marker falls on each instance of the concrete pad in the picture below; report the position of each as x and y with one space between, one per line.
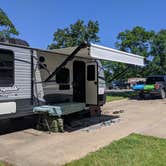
157 129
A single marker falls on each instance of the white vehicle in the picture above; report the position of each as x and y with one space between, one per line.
32 77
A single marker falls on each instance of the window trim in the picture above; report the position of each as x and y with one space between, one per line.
13 54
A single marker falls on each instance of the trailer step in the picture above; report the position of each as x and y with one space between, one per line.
60 109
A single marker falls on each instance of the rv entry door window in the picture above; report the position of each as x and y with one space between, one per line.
91 83
91 72
6 68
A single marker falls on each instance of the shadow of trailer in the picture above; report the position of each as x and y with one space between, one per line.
58 82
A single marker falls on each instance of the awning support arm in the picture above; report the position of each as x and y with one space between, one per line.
69 58
119 74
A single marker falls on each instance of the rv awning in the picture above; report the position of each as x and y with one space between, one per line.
104 53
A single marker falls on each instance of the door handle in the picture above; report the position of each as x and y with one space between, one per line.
95 82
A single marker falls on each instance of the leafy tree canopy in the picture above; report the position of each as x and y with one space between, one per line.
158 65
137 41
6 26
75 34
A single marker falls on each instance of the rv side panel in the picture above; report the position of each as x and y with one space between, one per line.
20 91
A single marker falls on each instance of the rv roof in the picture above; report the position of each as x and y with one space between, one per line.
99 52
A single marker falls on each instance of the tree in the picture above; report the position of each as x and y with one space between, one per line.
6 27
159 53
8 30
75 34
137 41
18 41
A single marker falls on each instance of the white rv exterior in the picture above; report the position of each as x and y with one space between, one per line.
15 81
23 72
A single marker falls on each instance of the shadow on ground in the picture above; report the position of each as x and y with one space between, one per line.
72 122
17 124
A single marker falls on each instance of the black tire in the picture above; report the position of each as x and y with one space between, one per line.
141 96
162 94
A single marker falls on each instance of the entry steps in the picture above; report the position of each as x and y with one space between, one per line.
60 109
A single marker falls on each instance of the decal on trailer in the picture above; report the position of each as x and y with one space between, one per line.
6 91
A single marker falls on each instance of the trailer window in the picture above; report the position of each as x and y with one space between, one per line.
91 73
63 76
6 68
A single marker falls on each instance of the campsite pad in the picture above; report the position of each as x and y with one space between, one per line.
60 109
31 147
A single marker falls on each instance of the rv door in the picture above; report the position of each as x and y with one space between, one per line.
91 83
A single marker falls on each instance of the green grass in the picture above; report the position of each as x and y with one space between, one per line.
4 164
112 96
1 164
134 150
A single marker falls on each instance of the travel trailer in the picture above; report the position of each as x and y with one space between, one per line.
31 78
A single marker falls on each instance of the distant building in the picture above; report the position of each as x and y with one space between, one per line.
133 81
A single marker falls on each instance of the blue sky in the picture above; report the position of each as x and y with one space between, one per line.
37 20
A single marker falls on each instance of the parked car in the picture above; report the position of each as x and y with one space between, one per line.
119 84
155 86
